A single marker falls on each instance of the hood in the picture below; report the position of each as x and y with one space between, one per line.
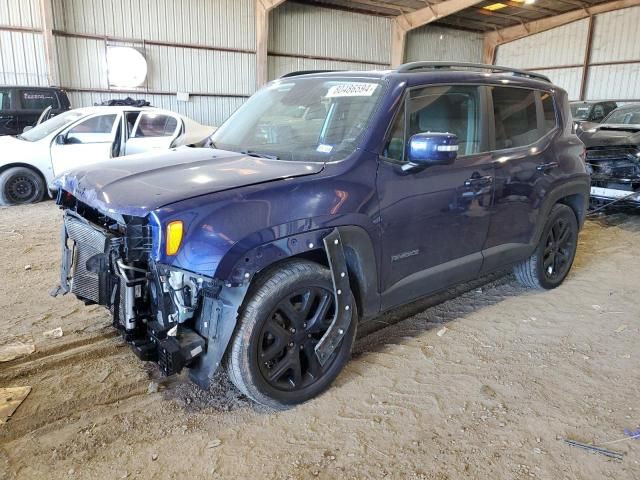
139 184
602 135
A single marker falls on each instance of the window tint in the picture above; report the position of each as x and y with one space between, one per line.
549 112
38 99
5 99
155 125
93 130
447 109
515 116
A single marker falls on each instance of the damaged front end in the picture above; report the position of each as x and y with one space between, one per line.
615 174
173 317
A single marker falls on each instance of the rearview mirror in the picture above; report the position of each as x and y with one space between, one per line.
426 149
61 139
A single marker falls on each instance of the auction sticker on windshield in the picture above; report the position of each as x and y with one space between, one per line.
352 90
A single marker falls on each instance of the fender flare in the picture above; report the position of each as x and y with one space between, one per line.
359 252
579 188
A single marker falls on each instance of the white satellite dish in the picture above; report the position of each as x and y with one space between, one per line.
126 67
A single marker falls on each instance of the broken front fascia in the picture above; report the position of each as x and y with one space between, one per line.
171 316
615 173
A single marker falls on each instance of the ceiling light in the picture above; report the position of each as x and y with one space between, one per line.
495 6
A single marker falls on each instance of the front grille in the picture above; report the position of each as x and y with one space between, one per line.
88 241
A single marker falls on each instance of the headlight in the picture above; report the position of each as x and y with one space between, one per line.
174 236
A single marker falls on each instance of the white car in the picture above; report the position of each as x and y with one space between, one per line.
86 136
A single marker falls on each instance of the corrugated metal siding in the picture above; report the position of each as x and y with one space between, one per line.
278 66
615 36
206 23
206 110
218 23
560 46
22 59
614 82
200 71
20 13
306 30
567 78
431 43
83 65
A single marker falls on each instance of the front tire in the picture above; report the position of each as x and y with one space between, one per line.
551 261
21 185
271 358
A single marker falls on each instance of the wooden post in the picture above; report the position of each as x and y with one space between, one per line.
587 59
50 50
263 7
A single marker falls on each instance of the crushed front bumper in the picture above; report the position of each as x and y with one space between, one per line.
615 174
175 318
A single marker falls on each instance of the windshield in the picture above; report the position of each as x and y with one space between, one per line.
316 119
580 111
53 124
626 116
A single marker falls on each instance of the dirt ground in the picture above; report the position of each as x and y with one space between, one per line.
492 397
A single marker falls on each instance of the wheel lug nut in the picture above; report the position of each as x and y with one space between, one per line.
291 344
292 330
301 347
304 325
309 335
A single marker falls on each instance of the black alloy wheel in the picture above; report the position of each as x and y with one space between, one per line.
559 250
550 262
271 357
287 356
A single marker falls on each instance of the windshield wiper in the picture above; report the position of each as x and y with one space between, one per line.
252 153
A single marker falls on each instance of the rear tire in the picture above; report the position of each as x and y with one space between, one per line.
21 185
551 261
271 358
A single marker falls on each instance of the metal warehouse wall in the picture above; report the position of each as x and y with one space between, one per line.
202 47
613 67
441 44
22 58
303 37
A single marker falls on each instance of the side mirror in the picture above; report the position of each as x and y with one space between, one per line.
27 128
61 139
426 149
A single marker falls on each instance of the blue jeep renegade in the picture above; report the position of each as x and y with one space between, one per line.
326 199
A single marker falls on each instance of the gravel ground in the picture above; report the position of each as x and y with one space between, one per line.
485 385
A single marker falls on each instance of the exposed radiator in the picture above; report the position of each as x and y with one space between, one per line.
88 241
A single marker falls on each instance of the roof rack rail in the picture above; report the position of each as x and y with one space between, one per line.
307 72
415 66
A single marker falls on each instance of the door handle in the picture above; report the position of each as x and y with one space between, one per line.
545 167
478 181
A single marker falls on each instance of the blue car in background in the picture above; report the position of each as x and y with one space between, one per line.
325 200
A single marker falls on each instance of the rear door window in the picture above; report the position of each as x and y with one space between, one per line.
152 125
38 99
522 116
548 112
